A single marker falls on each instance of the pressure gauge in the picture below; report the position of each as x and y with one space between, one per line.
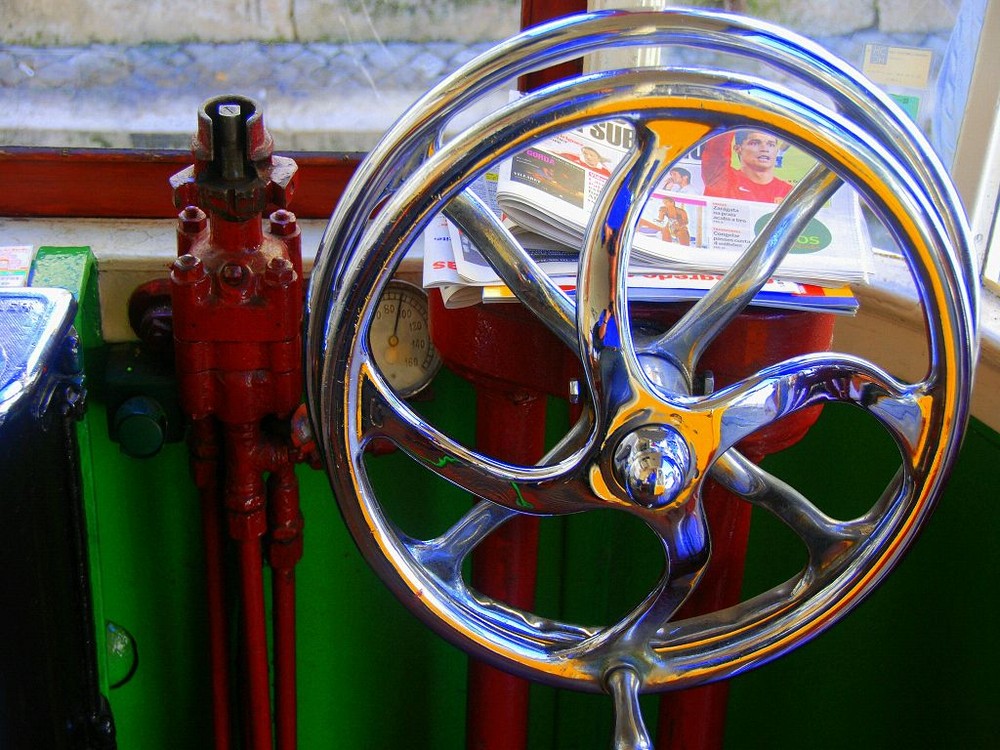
400 339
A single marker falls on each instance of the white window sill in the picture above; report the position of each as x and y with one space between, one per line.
888 330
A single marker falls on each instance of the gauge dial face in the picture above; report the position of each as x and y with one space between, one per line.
400 339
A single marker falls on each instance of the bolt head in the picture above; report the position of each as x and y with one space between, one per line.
652 463
232 274
192 220
279 272
283 223
188 269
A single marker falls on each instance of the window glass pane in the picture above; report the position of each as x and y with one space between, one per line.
899 44
926 54
329 74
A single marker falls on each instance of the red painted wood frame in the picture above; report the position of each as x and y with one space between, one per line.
133 184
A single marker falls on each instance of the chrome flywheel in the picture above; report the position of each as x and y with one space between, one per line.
648 440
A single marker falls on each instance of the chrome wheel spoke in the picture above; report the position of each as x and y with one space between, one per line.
528 489
444 555
609 356
687 340
822 536
789 386
687 546
529 283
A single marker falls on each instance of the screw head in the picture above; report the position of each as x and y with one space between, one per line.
574 391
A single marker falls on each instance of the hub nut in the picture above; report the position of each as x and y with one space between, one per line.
652 464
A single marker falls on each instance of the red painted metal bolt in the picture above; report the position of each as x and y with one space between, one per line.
188 269
232 274
192 220
283 223
279 272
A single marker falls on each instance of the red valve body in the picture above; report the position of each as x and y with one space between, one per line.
236 287
237 297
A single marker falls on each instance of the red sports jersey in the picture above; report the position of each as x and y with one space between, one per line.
734 184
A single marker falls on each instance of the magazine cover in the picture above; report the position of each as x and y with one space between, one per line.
708 209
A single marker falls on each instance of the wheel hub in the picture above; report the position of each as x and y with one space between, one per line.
653 464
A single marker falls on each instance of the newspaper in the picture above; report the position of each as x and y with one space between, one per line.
670 259
690 287
704 214
450 273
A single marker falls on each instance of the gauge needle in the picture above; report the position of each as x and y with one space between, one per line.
394 339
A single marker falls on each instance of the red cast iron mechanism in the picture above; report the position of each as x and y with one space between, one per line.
237 296
237 290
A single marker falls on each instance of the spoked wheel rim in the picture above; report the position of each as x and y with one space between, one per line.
640 392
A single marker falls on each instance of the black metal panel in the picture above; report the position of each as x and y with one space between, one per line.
49 695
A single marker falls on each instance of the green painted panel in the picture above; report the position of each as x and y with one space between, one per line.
909 668
73 269
148 536
915 664
361 655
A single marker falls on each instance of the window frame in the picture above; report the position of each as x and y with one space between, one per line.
132 184
976 167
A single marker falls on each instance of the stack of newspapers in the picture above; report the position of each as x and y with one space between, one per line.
699 220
